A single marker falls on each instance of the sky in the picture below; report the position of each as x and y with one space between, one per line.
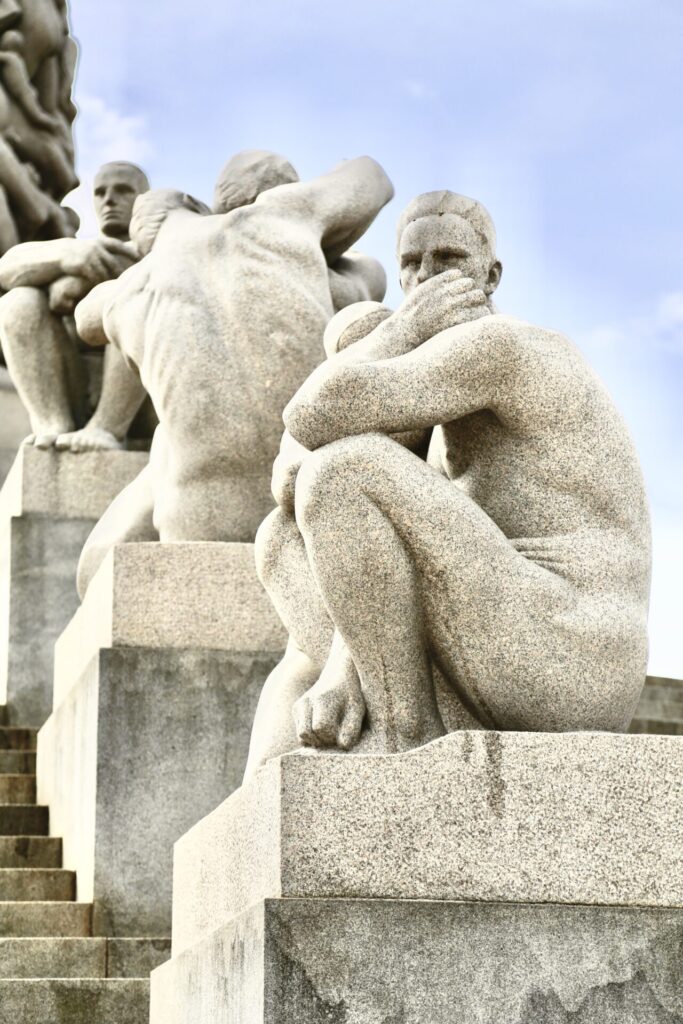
562 116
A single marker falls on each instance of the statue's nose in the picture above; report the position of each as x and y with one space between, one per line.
426 269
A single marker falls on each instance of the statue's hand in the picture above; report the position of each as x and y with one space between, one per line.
93 260
444 301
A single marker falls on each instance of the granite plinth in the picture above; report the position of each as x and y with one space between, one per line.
582 818
414 962
193 595
153 733
48 506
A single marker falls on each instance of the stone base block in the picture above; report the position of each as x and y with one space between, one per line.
414 962
48 506
146 743
197 595
590 818
58 1001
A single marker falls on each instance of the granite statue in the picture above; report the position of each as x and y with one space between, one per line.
224 319
462 534
44 282
37 66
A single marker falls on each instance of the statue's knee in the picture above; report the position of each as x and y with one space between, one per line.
19 307
328 477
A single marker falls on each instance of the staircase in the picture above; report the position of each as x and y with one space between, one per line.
660 711
52 971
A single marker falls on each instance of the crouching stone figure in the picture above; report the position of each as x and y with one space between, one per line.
462 538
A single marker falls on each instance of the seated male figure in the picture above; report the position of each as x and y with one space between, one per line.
500 583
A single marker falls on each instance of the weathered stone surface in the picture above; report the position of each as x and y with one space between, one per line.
47 508
53 958
512 817
36 884
463 537
18 919
236 341
17 789
169 596
145 744
81 958
135 958
54 1001
14 424
384 962
23 820
62 485
30 852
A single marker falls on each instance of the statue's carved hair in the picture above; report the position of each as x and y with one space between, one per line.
431 204
151 210
247 175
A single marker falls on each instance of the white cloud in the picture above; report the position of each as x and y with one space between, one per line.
103 134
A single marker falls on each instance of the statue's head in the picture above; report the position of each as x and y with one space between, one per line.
441 231
151 211
117 186
247 175
12 41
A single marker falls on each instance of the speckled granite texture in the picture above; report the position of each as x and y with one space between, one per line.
505 817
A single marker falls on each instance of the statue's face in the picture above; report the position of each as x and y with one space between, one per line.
115 192
433 244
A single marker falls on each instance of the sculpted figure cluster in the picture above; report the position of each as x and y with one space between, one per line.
44 282
223 319
461 533
37 65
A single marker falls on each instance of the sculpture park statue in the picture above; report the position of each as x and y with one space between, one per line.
37 65
462 538
224 319
44 282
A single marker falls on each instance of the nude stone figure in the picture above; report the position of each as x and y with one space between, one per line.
224 319
501 580
44 282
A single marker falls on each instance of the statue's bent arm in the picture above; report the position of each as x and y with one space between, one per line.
32 264
458 372
343 203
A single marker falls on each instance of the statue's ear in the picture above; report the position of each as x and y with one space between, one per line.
495 274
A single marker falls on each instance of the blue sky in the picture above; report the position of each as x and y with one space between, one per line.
562 116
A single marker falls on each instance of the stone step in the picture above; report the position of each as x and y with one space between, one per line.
656 727
669 684
15 738
17 789
3 714
45 920
82 958
661 710
37 885
23 820
17 762
30 852
72 1001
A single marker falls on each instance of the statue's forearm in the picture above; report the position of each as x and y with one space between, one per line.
32 264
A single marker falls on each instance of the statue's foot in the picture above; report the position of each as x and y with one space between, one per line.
89 439
331 713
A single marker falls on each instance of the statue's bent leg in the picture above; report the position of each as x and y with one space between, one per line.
283 569
120 400
412 570
36 347
128 519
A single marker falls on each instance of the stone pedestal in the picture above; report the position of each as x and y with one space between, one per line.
14 423
487 878
156 683
48 505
